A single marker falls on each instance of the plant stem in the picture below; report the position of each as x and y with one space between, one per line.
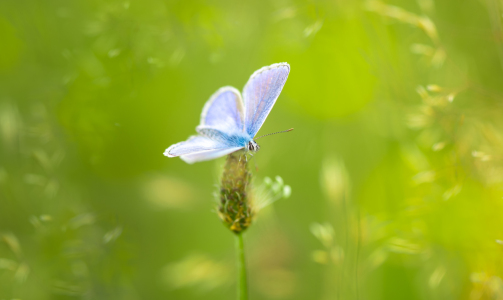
241 263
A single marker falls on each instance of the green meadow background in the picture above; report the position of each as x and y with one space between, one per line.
395 164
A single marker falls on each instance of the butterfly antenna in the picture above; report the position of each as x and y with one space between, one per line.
274 133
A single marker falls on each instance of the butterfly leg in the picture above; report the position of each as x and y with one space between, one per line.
255 163
250 153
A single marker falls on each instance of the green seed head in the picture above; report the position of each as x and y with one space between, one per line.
235 205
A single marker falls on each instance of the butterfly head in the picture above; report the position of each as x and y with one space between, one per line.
253 146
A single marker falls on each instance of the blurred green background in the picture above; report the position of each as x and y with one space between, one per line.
395 163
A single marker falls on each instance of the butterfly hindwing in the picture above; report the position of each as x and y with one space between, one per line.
194 144
235 138
207 155
260 94
200 148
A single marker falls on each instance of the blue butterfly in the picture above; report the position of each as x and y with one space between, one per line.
227 124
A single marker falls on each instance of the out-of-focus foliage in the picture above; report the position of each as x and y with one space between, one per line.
395 163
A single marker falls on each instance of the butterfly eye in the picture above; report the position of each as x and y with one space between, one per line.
252 146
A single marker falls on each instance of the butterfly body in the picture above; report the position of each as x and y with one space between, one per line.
228 123
253 146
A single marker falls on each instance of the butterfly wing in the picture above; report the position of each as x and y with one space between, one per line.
207 155
260 94
230 138
221 129
199 148
224 111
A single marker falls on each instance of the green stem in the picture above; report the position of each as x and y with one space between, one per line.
240 255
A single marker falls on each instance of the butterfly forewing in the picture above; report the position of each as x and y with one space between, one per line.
224 110
260 94
222 118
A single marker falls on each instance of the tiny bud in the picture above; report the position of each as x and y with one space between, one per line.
438 146
450 97
287 191
422 92
434 88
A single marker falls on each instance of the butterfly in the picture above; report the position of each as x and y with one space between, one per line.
228 123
